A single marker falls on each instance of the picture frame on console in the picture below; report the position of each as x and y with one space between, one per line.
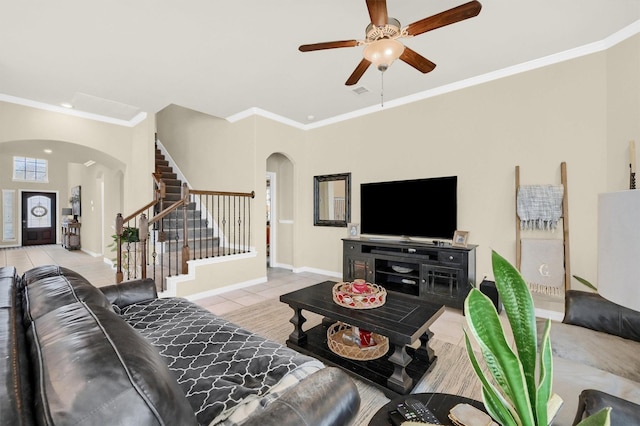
354 230
460 239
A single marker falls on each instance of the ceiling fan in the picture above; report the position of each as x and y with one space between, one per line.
382 34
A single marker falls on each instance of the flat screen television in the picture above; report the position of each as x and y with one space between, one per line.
426 208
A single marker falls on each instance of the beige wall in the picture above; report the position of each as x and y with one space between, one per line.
582 111
124 158
215 155
535 120
623 109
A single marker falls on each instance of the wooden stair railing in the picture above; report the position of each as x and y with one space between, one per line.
217 223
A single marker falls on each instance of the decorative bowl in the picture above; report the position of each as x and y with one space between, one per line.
374 297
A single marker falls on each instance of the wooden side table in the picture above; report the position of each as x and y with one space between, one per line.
71 235
439 403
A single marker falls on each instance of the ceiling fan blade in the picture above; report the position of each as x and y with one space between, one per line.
378 12
451 16
327 45
358 72
417 61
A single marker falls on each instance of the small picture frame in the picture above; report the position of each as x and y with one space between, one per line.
75 202
354 230
460 239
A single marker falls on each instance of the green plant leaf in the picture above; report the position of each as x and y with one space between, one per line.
502 362
585 283
601 418
497 407
518 304
513 397
546 377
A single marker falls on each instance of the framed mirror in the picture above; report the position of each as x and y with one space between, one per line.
332 200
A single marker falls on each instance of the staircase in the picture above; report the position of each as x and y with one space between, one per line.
199 232
173 185
152 239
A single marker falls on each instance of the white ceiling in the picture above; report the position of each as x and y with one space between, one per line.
229 58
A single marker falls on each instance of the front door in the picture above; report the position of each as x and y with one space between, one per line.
38 218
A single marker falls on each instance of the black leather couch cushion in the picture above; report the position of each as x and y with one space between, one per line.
51 291
15 405
45 271
590 310
93 368
623 412
138 291
302 405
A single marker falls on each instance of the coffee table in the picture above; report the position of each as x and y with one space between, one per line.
404 319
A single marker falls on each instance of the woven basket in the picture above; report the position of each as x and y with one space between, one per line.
374 297
351 350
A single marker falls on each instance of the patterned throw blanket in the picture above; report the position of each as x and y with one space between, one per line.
539 206
220 366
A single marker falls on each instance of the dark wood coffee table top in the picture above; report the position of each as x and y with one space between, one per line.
439 403
403 319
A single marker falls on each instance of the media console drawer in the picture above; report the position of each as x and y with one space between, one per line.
450 257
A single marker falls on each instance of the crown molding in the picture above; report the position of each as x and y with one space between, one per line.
588 49
619 36
67 111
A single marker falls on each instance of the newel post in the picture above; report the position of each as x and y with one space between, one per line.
119 229
185 236
143 233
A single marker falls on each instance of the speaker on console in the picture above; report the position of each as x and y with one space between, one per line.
489 289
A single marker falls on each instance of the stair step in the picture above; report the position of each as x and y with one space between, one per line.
198 233
172 197
209 243
168 175
171 182
191 207
162 162
173 189
193 220
163 169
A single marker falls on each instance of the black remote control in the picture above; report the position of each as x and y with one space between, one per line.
414 410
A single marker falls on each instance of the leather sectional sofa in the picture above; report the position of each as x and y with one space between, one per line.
596 350
71 353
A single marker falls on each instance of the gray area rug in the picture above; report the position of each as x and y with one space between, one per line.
452 372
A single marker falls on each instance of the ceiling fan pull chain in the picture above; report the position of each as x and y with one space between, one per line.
382 89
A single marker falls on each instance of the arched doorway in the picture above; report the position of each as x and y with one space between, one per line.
280 201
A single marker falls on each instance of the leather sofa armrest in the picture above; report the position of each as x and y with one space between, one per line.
590 310
130 292
326 398
591 401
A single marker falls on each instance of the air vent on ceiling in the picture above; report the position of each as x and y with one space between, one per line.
360 90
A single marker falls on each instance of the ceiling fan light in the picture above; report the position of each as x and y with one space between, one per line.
383 52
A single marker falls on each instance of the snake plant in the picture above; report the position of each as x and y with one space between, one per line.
512 394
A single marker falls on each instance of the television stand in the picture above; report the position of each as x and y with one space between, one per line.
433 272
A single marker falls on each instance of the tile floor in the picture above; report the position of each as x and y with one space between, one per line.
279 281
